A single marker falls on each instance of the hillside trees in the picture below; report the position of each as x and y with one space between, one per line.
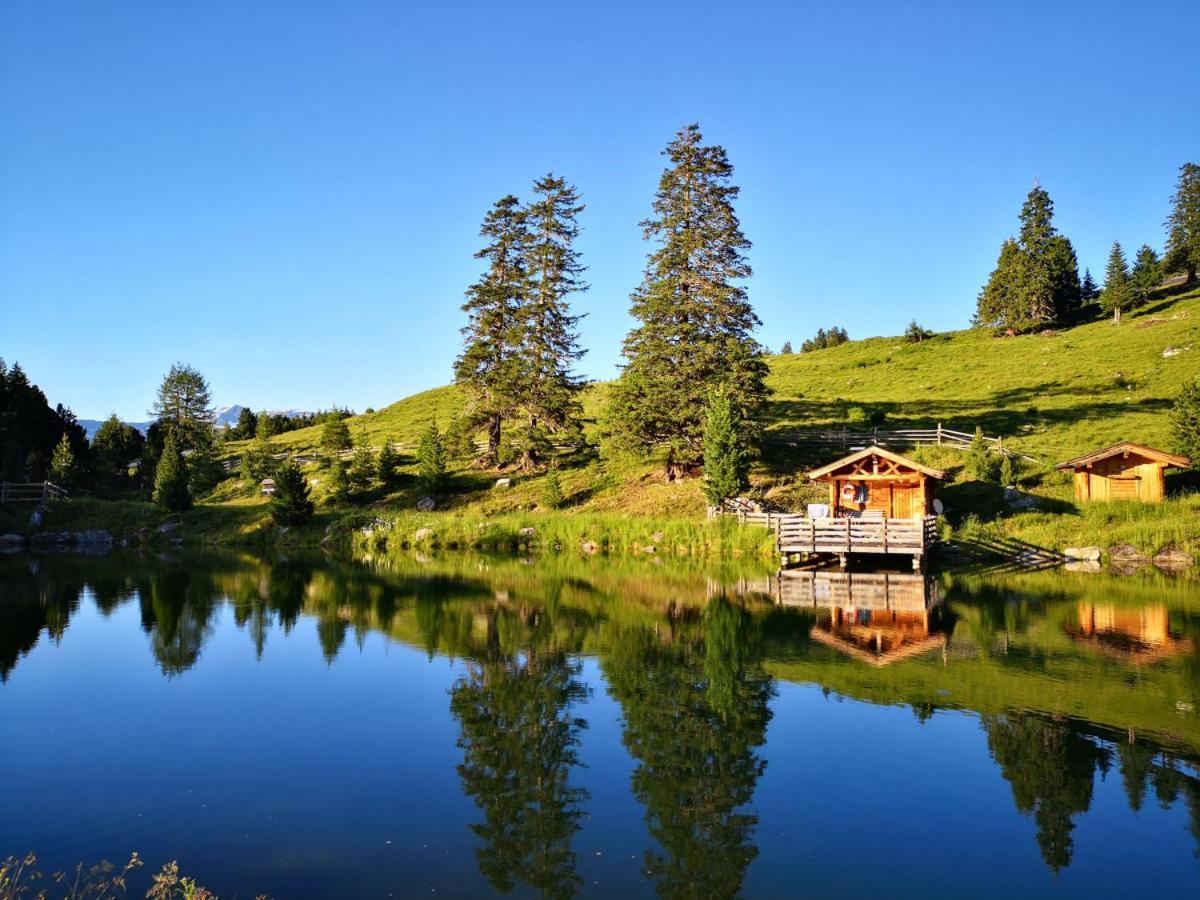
63 468
1145 276
694 321
1183 224
291 503
30 428
488 367
1036 280
521 343
823 339
1116 295
431 462
184 403
114 446
1185 422
726 458
171 476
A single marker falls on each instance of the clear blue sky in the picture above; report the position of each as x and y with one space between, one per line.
287 195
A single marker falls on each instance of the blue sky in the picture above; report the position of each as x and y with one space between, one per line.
288 195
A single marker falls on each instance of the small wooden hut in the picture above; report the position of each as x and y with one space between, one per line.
1125 471
878 482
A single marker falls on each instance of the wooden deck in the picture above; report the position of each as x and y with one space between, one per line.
883 591
800 534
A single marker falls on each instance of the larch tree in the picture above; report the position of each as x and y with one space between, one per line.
184 403
1116 294
489 367
549 341
1183 224
695 323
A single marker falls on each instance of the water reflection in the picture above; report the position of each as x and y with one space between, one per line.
1072 680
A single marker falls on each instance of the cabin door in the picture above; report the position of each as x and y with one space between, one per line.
902 502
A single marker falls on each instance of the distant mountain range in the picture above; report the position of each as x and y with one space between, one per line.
222 416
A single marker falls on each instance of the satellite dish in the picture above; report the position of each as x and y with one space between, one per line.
939 507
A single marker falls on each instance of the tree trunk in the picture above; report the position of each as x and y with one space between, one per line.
1117 316
492 455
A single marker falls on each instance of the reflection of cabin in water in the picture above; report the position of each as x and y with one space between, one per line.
875 617
1124 471
1137 634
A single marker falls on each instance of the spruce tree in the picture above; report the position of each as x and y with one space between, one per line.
386 465
114 446
1183 224
726 462
335 436
489 367
1089 291
431 462
550 348
171 477
1145 276
786 349
291 503
552 492
1036 281
337 488
695 323
362 466
63 468
1185 422
247 425
1116 295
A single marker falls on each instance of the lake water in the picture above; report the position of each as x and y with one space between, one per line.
464 725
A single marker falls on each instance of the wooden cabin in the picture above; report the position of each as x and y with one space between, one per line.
879 483
1125 471
1135 634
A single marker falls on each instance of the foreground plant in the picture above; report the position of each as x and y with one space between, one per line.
21 878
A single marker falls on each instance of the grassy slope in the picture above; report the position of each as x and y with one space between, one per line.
1051 396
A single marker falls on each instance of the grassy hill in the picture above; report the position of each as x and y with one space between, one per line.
1051 396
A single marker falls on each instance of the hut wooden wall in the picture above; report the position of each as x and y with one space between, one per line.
1114 479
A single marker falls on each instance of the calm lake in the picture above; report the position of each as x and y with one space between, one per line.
467 725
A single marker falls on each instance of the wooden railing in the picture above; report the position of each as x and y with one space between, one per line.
844 438
30 492
795 533
887 591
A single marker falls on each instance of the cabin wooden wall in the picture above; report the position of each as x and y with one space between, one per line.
1109 479
896 499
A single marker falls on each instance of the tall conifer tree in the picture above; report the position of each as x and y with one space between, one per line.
1115 296
548 337
1183 224
489 366
695 323
1145 276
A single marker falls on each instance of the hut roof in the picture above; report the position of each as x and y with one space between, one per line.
896 458
1168 459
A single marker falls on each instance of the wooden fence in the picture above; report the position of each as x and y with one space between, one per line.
795 533
30 492
899 437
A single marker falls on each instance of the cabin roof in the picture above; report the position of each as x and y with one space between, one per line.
876 451
1160 456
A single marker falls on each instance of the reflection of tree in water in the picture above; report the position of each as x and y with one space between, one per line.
694 702
519 741
177 607
29 603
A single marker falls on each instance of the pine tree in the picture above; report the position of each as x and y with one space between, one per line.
63 468
915 333
337 482
979 460
549 340
431 462
552 492
1145 277
386 465
184 404
335 436
1089 291
1036 280
786 349
247 425
457 439
1116 295
1008 470
204 468
362 466
489 367
1185 422
1183 224
695 323
291 503
171 477
726 462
